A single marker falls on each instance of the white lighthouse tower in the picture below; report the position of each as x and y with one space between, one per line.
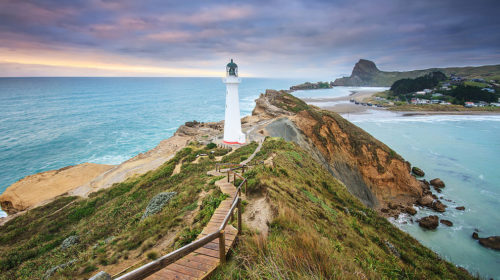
232 122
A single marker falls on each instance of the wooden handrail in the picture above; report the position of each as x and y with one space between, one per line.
171 257
230 212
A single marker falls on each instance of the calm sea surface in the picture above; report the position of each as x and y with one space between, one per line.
49 123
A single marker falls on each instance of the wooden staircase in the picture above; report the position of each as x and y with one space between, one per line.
201 257
203 261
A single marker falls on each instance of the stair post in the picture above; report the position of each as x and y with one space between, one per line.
222 247
239 214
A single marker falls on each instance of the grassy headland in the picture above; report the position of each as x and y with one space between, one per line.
320 231
111 234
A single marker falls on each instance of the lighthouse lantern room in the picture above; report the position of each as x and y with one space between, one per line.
232 122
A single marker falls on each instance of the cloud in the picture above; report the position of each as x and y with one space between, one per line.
314 38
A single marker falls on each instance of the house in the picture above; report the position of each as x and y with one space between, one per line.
470 104
418 101
495 104
437 94
445 88
427 90
445 103
482 104
435 101
420 92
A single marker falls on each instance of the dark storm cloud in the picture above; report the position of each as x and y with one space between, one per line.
319 35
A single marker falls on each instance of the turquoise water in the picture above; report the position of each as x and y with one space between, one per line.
464 151
49 123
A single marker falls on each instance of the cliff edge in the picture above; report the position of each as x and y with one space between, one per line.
370 170
34 190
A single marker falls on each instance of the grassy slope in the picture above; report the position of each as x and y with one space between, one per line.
30 244
323 232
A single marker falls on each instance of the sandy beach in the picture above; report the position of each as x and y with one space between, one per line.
342 105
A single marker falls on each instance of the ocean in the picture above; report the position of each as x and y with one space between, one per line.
464 152
49 123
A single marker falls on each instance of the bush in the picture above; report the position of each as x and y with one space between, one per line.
152 255
157 203
211 146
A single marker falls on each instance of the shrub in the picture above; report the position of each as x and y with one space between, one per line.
210 146
157 203
152 255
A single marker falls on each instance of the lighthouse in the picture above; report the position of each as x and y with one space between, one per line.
232 122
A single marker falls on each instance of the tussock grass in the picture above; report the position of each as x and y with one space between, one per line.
323 232
30 243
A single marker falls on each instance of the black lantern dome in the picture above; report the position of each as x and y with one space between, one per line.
232 69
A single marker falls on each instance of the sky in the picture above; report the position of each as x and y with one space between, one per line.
284 39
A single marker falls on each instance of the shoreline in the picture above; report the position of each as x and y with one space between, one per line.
166 148
351 108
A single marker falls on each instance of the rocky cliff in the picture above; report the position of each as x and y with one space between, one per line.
35 189
371 171
366 73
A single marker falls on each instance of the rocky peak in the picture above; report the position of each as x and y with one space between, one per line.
364 69
362 75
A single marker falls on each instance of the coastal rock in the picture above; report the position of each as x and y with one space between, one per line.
54 269
438 183
101 276
461 208
264 107
425 184
191 124
392 205
426 200
446 222
417 171
410 210
429 222
438 206
492 242
157 203
393 249
475 235
70 241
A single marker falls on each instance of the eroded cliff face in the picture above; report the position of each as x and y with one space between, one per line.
35 189
351 152
371 171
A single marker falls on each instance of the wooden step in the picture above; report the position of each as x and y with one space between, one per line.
202 262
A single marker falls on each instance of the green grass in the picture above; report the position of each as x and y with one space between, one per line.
322 232
30 243
475 84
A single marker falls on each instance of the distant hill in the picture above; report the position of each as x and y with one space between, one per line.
366 73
